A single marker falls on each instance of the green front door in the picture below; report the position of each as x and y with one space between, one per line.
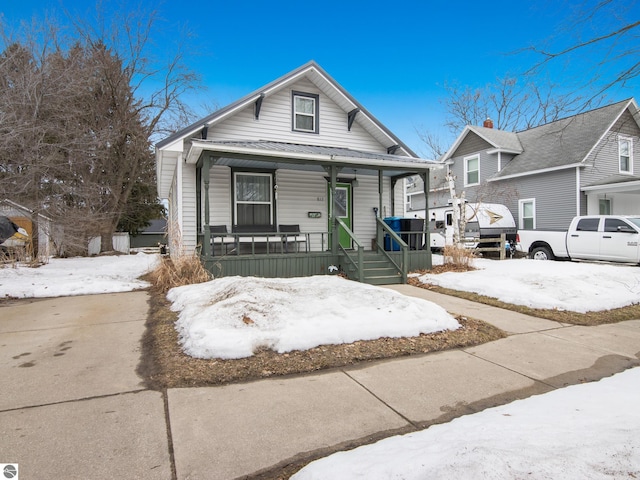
343 208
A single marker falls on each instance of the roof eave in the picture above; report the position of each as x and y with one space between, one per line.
505 150
197 148
612 187
535 172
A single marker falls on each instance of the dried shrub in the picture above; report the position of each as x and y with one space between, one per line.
458 256
178 271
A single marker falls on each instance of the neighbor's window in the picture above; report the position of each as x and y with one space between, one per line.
625 154
253 198
604 205
527 211
472 170
305 112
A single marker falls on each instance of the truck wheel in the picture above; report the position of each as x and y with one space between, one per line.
541 253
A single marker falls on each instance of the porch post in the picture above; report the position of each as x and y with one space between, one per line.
427 219
380 191
333 232
207 248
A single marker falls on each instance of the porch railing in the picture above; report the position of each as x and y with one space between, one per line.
382 229
358 264
248 243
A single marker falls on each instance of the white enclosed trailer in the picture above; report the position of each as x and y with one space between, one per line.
483 220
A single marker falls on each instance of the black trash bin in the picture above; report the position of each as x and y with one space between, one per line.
415 226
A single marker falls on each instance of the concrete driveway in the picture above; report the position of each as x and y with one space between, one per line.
72 405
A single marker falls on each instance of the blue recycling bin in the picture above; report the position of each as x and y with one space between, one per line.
395 224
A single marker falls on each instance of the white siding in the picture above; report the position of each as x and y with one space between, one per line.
219 197
301 192
189 234
275 124
298 194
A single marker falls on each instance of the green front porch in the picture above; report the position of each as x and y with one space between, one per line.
376 266
265 248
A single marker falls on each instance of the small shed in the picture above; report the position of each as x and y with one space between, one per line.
37 225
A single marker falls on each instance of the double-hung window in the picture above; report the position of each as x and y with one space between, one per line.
604 206
305 112
472 170
625 154
527 213
253 198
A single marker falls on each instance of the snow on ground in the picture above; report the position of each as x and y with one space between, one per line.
580 432
232 317
76 276
579 287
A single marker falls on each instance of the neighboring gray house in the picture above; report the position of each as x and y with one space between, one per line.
292 179
584 164
153 235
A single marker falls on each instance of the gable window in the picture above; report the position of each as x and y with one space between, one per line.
305 112
625 154
253 199
472 170
527 213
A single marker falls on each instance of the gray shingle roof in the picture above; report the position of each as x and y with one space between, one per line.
316 149
499 138
563 142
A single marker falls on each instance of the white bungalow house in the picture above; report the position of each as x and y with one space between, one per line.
293 179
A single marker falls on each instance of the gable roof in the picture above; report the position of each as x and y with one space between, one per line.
323 81
500 140
566 142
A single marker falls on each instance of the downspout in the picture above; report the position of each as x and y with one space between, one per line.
577 191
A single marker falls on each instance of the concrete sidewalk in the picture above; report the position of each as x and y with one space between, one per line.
59 421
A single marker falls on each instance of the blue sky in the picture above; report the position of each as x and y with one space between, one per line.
393 57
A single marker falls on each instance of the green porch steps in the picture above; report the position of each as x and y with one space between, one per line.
378 270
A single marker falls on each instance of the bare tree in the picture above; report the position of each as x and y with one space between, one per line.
78 122
604 51
510 104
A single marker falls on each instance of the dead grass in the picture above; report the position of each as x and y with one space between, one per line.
166 366
183 270
631 312
458 257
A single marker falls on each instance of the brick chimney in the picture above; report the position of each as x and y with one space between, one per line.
488 123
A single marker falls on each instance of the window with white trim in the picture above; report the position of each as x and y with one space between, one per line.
305 112
625 154
527 214
253 198
604 206
472 170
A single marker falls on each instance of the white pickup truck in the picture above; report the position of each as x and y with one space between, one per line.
614 238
